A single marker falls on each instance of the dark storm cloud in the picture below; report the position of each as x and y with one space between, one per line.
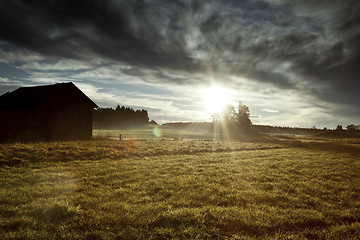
318 41
77 29
145 33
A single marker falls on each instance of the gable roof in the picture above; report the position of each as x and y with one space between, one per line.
60 93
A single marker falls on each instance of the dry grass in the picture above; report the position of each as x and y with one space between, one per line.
191 189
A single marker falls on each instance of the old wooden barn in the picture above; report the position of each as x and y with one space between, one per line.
46 113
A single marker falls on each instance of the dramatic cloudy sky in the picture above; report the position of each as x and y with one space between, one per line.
294 63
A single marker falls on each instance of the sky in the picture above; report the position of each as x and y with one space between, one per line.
293 63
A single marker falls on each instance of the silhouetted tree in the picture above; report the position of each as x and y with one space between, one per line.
339 128
352 127
229 114
243 115
232 121
153 122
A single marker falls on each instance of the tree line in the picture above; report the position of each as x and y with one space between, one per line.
232 120
237 120
120 117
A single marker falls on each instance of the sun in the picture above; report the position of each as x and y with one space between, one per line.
216 98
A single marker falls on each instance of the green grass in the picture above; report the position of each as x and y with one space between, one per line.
190 189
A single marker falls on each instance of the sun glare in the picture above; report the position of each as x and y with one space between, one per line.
215 98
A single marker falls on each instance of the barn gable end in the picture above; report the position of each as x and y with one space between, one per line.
46 113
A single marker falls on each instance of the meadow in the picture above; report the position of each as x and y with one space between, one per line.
174 188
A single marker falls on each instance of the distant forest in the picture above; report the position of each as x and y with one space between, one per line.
200 126
121 117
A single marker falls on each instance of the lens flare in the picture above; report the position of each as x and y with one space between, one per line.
157 132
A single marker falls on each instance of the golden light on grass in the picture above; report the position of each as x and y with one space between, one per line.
193 189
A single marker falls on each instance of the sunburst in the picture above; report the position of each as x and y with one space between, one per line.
216 98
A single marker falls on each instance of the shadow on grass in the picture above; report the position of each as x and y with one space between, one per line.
327 146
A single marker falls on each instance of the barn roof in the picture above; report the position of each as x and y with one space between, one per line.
60 93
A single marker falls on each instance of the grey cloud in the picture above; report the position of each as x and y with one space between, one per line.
270 77
76 29
319 39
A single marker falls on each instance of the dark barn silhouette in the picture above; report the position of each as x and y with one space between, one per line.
46 113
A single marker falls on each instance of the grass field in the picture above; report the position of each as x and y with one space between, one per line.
180 189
